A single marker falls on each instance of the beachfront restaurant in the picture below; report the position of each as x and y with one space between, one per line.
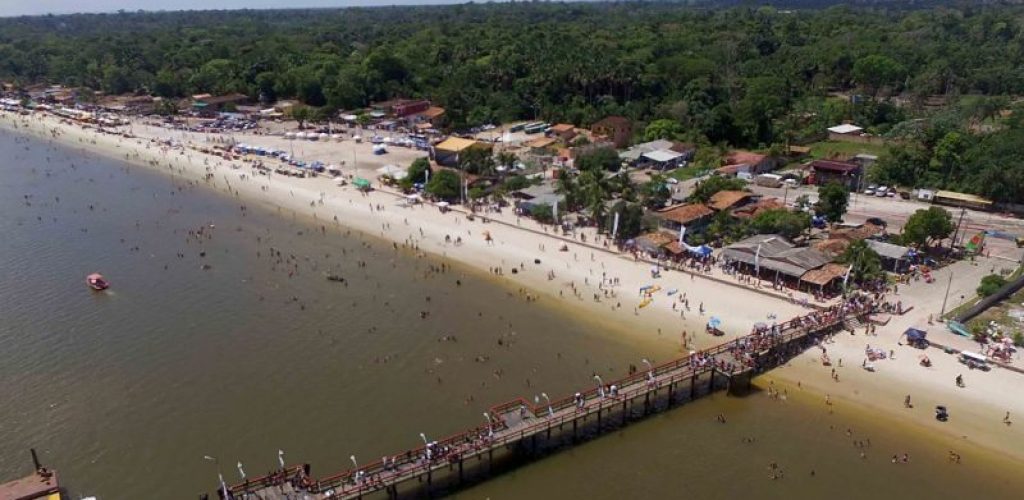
447 152
895 258
772 257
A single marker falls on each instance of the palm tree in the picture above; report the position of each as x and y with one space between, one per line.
865 262
568 187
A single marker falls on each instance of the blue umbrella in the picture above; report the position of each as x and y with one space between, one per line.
714 322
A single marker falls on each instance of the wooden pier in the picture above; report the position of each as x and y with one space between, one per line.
41 484
520 428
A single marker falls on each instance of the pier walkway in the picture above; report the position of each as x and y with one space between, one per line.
524 427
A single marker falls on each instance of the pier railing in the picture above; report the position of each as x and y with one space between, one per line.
513 421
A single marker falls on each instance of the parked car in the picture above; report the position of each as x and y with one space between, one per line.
881 191
877 221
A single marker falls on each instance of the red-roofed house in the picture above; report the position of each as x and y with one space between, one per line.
843 172
746 161
693 216
724 200
753 209
616 129
563 131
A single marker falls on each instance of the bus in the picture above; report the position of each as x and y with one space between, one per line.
535 128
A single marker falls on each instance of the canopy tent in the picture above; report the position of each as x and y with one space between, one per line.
361 183
915 335
701 251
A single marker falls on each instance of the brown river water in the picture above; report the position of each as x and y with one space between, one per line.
215 344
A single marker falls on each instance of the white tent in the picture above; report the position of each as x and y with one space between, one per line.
394 171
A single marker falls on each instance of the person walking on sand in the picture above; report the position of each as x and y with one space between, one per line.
906 402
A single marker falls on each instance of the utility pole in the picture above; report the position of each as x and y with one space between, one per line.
946 297
952 242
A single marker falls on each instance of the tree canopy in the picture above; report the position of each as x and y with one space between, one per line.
867 264
599 160
781 221
732 75
703 192
417 172
445 185
926 226
832 201
990 284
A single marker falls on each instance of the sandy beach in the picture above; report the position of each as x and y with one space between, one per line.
601 284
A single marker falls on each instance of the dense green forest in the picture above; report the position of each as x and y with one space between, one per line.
742 76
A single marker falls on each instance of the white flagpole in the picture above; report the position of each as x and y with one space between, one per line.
615 226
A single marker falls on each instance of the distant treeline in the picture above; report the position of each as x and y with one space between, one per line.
751 76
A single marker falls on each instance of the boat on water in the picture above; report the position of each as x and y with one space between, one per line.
97 282
335 277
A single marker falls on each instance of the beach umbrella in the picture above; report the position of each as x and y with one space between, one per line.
714 322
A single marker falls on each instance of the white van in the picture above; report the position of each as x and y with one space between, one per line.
769 180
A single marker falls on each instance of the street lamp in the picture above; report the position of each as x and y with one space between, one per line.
757 256
220 476
490 425
650 370
600 385
551 412
426 444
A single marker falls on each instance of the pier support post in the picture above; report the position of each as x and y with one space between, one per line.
671 391
574 420
711 381
647 402
693 385
460 470
599 415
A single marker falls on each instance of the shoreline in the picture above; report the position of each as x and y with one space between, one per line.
578 273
